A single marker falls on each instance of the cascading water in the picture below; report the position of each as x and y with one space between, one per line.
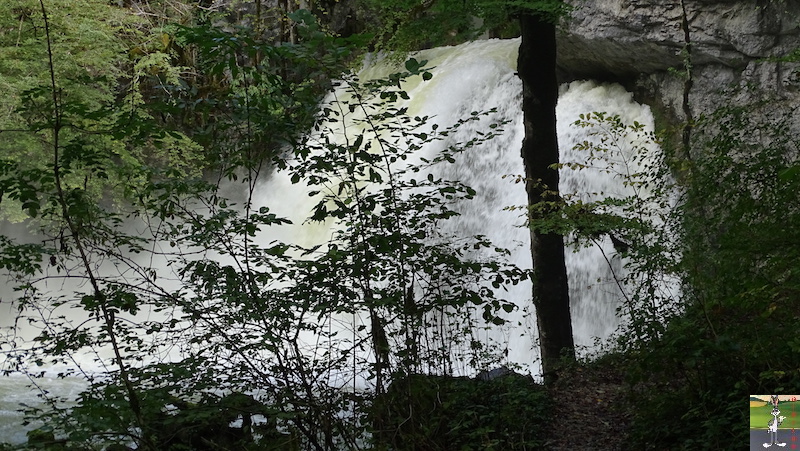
479 76
476 77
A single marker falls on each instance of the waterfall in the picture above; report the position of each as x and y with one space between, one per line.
481 75
478 76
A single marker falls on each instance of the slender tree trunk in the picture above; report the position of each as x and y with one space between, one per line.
536 67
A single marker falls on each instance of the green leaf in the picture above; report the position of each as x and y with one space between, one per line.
790 173
412 65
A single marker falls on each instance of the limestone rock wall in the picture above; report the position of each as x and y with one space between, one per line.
734 46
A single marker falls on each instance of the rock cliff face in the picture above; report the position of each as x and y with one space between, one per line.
734 47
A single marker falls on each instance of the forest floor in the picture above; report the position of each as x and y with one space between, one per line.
591 408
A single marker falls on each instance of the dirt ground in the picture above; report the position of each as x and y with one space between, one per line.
590 409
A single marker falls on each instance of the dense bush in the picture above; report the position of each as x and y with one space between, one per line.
420 412
737 335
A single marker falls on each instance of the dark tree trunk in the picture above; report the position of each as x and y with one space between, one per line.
537 69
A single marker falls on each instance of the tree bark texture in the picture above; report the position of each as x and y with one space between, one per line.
536 67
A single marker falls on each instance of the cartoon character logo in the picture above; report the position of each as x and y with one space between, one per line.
772 425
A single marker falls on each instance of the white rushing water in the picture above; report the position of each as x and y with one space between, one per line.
474 77
481 75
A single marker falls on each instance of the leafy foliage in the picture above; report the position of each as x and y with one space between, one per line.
190 315
86 84
707 261
732 333
461 413
411 25
259 92
739 219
